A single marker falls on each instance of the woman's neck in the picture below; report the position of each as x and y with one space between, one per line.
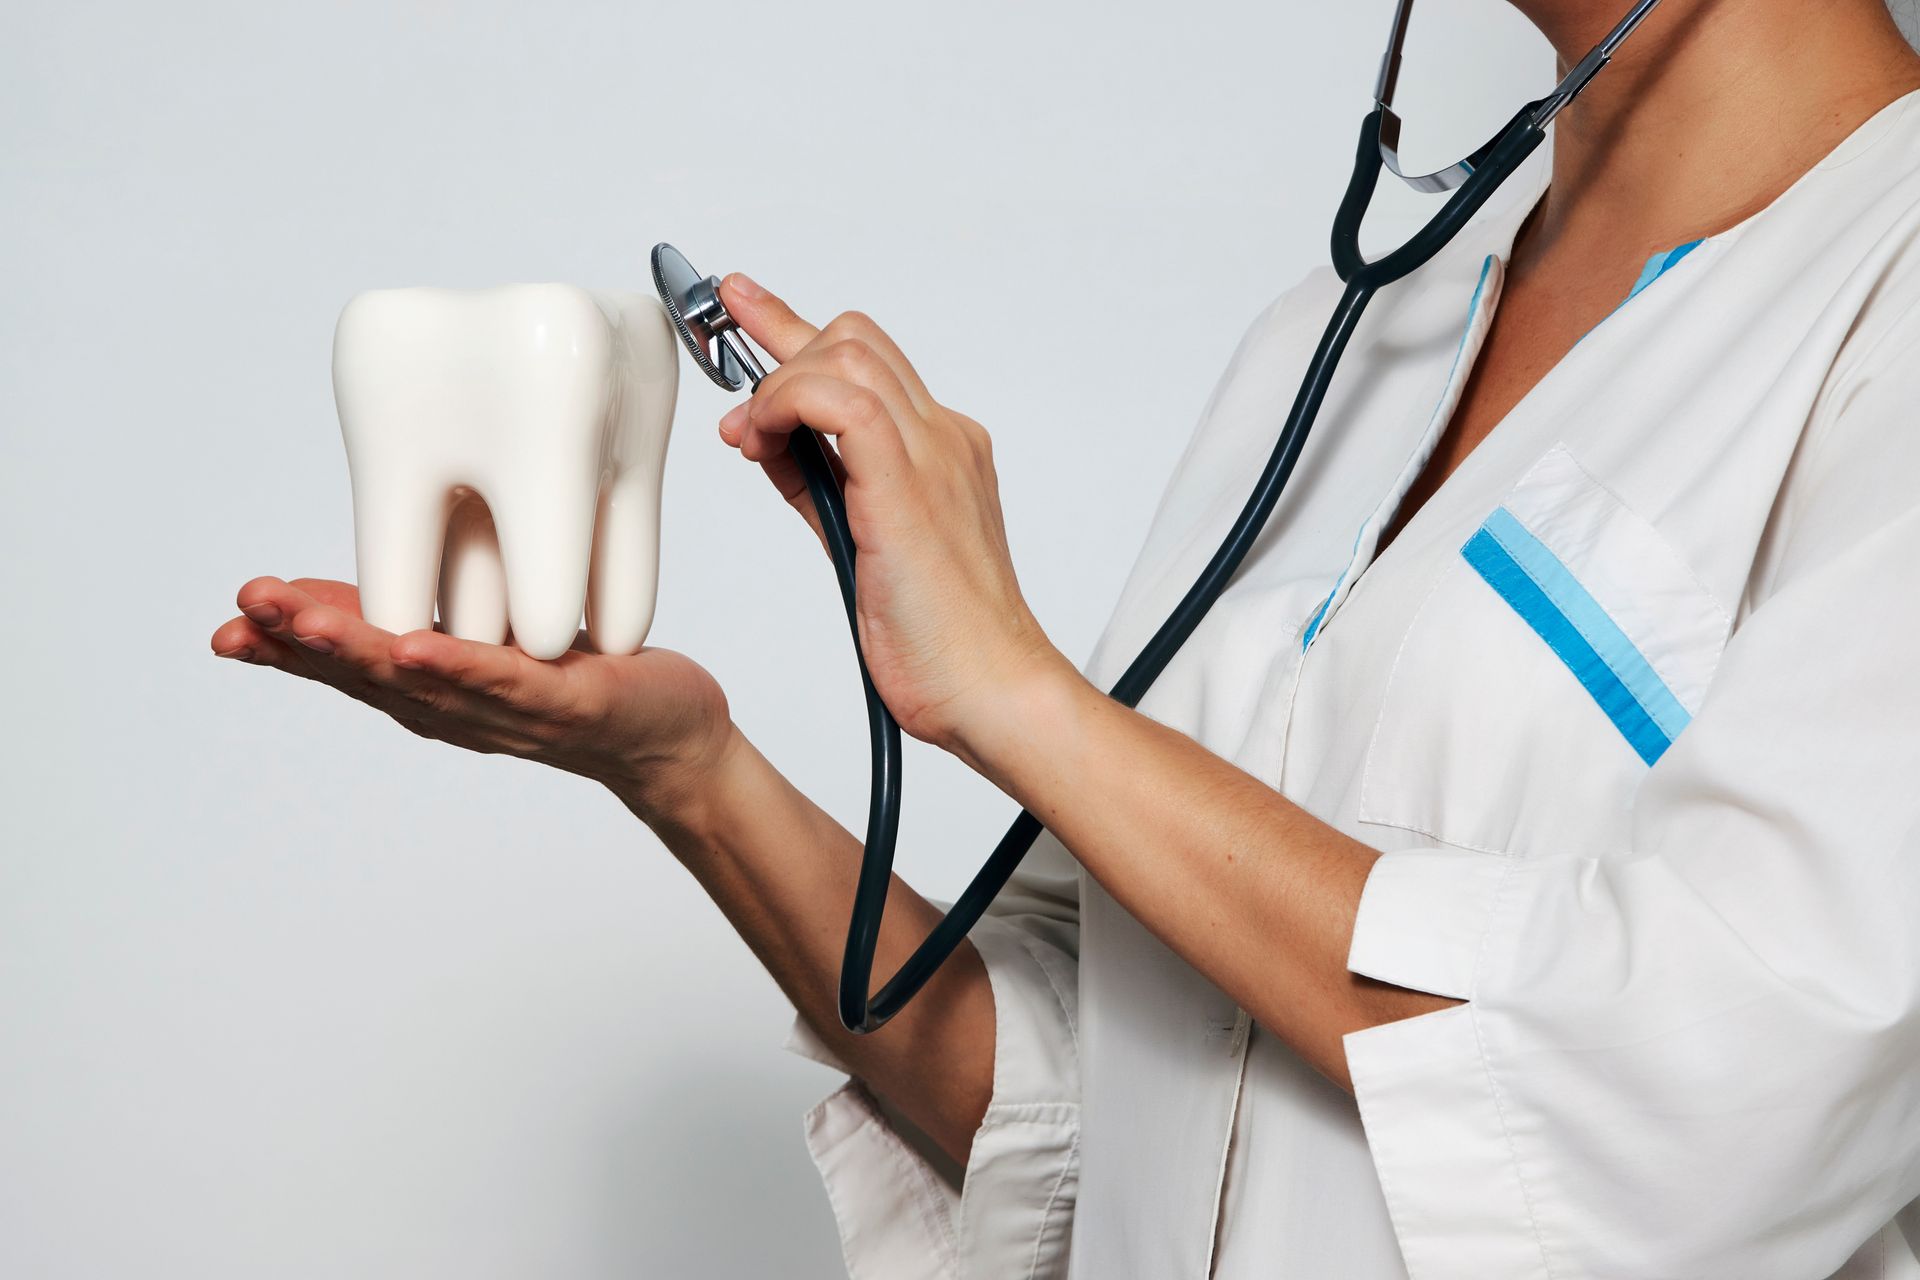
1708 113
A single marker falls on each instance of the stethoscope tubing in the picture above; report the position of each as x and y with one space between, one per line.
861 1012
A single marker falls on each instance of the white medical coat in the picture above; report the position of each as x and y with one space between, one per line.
1632 709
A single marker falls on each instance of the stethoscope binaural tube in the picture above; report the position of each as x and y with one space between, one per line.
693 303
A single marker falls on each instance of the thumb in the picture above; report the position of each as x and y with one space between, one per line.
765 318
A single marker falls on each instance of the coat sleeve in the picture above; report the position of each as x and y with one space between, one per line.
900 1213
1699 1059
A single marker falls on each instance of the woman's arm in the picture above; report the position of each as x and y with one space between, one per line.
1247 887
1243 884
654 728
782 871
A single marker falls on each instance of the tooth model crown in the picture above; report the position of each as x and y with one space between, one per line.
521 430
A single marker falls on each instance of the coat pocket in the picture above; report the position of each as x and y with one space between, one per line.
1554 661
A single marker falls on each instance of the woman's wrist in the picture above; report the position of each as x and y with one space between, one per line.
684 793
1020 721
1028 714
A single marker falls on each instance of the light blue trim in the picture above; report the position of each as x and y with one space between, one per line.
1501 572
1320 614
1657 265
1473 310
1546 595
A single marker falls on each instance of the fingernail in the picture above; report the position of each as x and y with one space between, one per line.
744 285
735 419
266 615
319 644
241 654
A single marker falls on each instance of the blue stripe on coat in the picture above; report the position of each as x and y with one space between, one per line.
1550 600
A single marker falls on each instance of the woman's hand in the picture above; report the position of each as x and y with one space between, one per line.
942 622
649 726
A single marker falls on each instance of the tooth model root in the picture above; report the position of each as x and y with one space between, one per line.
620 590
397 532
546 538
473 583
506 448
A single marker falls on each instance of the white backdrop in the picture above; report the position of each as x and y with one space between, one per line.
287 992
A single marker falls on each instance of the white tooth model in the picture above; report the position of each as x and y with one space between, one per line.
524 430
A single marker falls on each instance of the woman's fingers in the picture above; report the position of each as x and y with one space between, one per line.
846 360
322 630
341 595
460 677
860 329
247 640
765 318
355 657
870 440
240 639
848 380
769 321
856 373
849 361
337 647
263 599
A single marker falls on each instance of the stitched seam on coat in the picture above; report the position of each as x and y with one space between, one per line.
1486 1066
1389 1188
1393 672
844 1226
931 1202
1404 1223
1452 842
1447 389
1828 406
1905 325
1002 1114
1046 1213
1309 631
1226 1146
1366 813
1028 943
1719 609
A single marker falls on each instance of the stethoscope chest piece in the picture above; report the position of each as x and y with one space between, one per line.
693 304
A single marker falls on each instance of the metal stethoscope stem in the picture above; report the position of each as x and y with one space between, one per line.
712 337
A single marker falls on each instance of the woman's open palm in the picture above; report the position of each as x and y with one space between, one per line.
654 718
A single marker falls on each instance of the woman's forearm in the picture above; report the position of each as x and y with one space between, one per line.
783 871
1246 886
654 727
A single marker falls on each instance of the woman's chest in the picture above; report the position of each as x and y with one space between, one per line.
1538 320
1500 662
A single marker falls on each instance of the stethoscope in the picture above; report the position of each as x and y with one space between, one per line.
710 334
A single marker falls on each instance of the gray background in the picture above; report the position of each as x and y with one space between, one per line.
287 992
